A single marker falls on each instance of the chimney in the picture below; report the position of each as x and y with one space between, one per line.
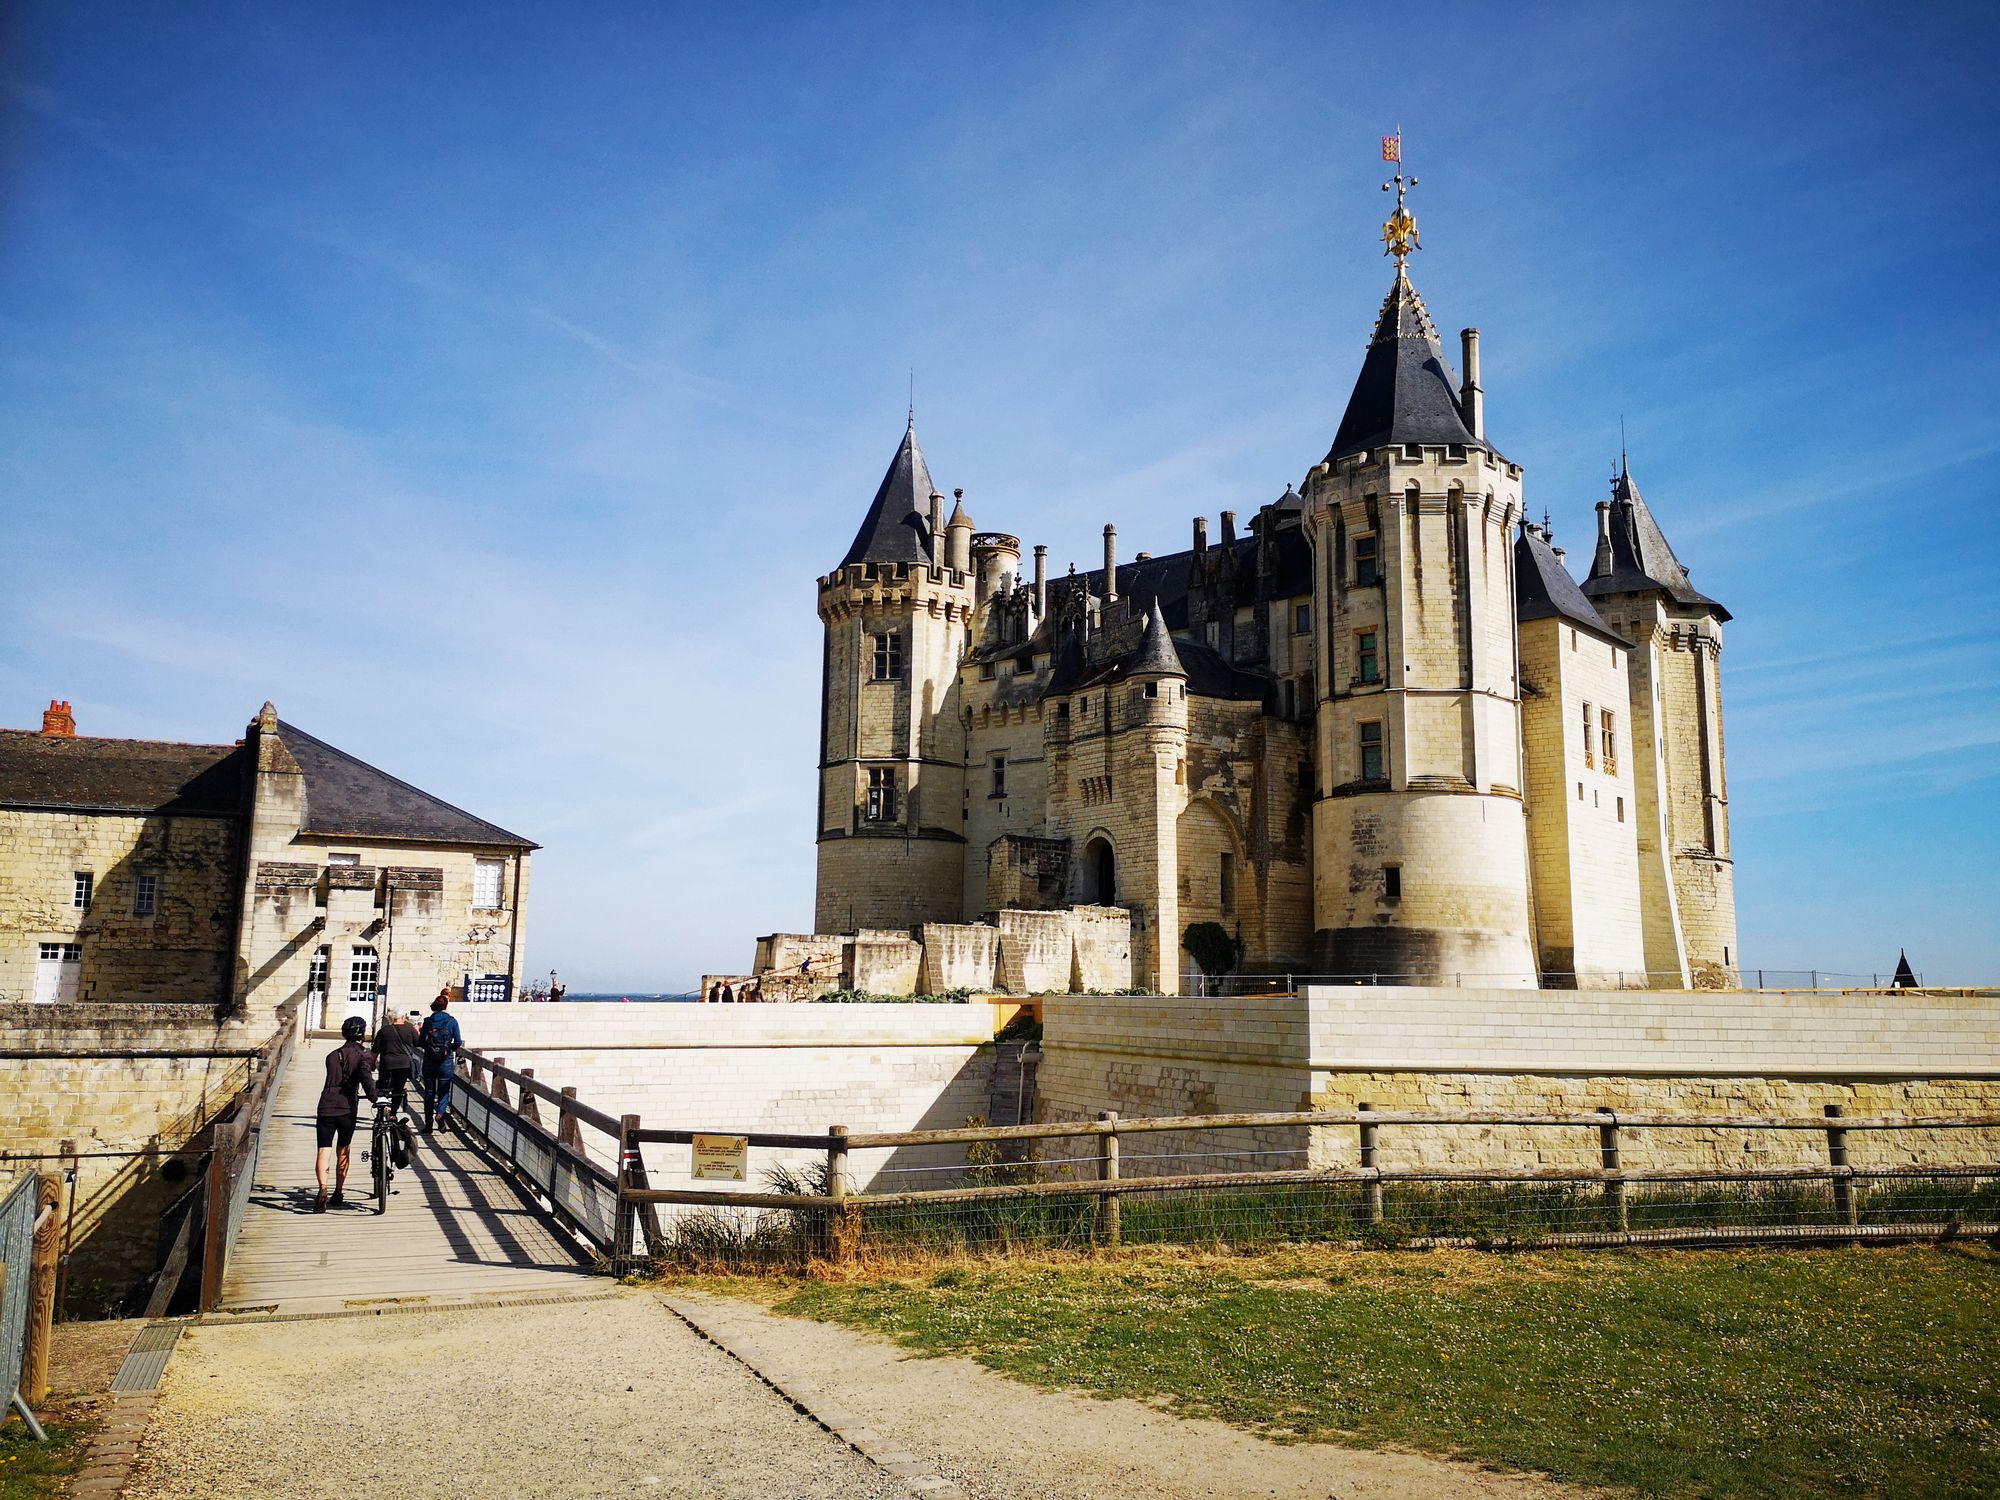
1110 563
1200 535
937 529
58 723
1041 582
1600 565
1229 528
1470 396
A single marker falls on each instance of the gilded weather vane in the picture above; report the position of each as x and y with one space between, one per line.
1399 234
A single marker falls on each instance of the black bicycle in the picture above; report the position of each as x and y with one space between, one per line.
389 1145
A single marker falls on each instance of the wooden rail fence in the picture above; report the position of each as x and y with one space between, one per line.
839 1210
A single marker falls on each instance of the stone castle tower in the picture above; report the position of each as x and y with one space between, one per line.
1378 734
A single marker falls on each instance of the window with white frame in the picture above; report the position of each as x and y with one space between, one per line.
881 794
486 879
364 968
316 974
145 895
80 889
67 953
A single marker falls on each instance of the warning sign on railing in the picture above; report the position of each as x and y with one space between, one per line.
721 1158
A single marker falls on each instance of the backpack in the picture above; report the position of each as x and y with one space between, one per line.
436 1038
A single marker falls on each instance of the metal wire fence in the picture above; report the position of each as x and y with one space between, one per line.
1195 983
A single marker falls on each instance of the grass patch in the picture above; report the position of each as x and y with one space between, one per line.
1724 1374
32 1471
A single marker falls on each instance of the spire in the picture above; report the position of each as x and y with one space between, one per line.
1906 978
1405 392
1633 556
1156 656
894 528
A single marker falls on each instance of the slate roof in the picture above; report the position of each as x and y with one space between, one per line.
346 796
894 530
1544 590
104 775
1166 578
1405 393
1155 656
1635 558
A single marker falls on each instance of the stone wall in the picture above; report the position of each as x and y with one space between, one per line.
131 1089
180 951
1544 1051
796 1068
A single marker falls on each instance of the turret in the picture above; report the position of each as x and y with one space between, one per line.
958 536
1645 594
1418 836
892 742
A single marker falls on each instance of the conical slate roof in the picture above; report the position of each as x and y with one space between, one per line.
1635 558
1156 656
1405 393
895 526
1544 590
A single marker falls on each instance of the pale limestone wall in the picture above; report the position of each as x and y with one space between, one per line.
1582 812
959 956
884 963
117 1078
1004 719
179 953
1416 1048
788 1068
1037 951
1103 952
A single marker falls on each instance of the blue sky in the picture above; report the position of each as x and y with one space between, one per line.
487 385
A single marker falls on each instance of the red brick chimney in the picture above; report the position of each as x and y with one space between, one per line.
58 723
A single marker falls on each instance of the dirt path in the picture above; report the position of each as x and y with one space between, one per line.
1000 1440
575 1399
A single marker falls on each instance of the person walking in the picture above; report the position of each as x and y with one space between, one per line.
349 1070
441 1040
397 1050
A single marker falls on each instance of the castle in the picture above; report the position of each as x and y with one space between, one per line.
1378 732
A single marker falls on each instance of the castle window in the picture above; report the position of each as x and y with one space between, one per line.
1610 728
145 895
1621 809
1371 750
80 889
999 775
345 861
1367 561
882 794
1152 690
986 671
889 656
363 967
1589 738
1302 618
1225 879
486 878
1392 882
1062 713
1368 661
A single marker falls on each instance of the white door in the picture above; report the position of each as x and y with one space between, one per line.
58 967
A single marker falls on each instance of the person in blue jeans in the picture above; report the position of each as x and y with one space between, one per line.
440 1039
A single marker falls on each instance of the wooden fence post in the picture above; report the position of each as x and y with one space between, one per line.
1110 1227
42 1287
629 1176
499 1089
568 1132
842 1229
1614 1181
530 1108
214 1242
1371 1208
1843 1180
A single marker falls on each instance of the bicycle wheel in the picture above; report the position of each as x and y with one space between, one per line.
380 1151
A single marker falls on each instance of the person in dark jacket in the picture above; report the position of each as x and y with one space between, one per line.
441 1040
397 1051
349 1070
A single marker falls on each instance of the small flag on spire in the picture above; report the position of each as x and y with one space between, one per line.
1392 147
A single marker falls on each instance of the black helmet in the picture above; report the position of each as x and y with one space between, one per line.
354 1028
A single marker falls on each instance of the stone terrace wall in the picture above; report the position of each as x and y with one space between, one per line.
759 1067
112 1079
1528 1052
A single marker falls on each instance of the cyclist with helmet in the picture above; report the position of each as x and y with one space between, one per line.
349 1070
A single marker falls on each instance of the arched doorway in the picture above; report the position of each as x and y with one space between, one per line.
1100 872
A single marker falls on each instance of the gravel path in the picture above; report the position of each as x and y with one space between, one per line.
1000 1440
573 1400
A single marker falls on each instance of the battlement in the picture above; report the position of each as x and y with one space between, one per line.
945 592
